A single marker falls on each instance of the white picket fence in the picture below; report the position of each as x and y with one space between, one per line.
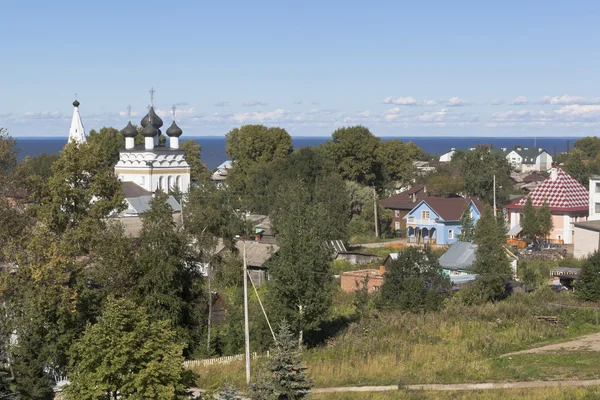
221 360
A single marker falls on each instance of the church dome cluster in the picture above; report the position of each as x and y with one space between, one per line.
151 124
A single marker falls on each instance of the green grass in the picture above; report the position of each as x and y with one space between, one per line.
554 393
456 345
580 365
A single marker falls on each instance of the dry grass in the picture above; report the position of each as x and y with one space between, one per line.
554 393
459 344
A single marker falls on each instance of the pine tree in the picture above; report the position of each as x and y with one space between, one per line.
287 378
467 230
587 287
6 392
544 217
529 220
491 263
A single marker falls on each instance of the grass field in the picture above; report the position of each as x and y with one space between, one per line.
456 345
526 394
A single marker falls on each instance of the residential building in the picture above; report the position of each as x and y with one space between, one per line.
436 220
588 238
220 174
594 198
459 258
526 159
400 204
567 199
447 157
352 281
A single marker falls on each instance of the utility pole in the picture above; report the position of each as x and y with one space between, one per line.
494 195
375 209
246 325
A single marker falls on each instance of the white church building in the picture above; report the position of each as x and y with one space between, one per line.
152 166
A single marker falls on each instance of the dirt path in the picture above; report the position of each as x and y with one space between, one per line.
463 386
589 343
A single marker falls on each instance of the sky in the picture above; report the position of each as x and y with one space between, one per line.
401 68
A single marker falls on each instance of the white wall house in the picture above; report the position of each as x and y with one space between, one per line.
528 159
447 157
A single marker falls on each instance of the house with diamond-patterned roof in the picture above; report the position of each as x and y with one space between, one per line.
568 201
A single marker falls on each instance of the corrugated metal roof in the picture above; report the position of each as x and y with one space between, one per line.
460 255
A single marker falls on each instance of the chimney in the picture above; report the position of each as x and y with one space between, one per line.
554 172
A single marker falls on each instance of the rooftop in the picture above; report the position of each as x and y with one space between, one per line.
451 208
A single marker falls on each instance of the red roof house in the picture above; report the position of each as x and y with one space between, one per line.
568 201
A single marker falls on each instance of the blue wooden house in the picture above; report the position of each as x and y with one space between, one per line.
436 220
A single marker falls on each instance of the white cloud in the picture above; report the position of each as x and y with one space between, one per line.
456 102
126 114
253 103
568 100
408 101
260 117
519 101
497 102
42 115
179 113
579 112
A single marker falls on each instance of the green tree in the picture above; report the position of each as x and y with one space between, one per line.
198 171
575 167
8 162
491 261
127 355
587 287
300 283
445 181
396 159
6 391
81 193
529 220
544 216
169 283
354 150
251 146
589 146
467 230
286 378
414 282
478 168
109 140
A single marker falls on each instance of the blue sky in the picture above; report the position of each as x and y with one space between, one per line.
402 68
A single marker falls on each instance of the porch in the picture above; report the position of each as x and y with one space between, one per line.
422 235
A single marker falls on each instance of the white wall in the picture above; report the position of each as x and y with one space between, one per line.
586 243
594 198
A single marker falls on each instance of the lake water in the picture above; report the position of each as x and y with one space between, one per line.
213 148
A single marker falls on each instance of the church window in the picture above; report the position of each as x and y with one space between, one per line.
169 184
178 182
143 180
160 183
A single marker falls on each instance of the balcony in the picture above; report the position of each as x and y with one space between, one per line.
421 221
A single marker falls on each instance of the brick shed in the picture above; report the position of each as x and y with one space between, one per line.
350 279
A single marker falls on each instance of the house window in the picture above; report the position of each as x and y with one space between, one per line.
397 226
397 213
450 234
597 187
424 214
597 208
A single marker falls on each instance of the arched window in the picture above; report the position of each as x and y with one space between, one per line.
169 184
160 183
178 183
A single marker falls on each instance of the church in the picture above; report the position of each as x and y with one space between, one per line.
146 168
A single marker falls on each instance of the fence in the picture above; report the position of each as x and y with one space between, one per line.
221 360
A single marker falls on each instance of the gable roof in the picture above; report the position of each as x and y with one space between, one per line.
451 208
404 200
131 189
562 194
459 256
529 155
535 177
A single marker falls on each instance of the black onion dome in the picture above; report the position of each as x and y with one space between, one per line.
159 132
76 103
174 130
153 118
149 131
129 131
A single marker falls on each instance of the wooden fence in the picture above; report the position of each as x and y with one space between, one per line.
220 360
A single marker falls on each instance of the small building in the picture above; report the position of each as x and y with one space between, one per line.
436 220
352 281
568 201
220 174
400 204
459 258
355 257
258 253
563 276
588 238
526 159
447 157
